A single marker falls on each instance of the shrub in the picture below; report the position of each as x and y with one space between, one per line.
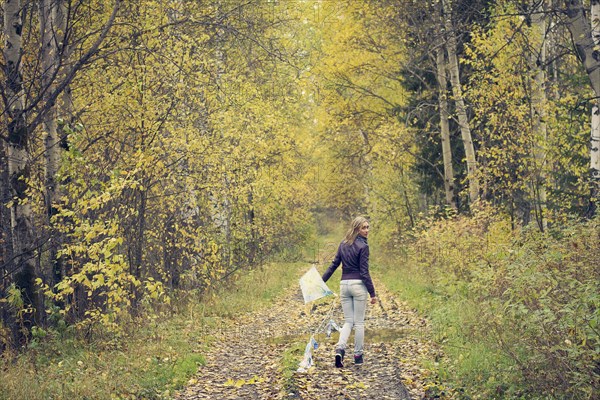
537 297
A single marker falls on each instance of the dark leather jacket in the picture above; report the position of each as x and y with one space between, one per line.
355 263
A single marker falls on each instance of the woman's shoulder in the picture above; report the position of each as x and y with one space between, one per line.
361 242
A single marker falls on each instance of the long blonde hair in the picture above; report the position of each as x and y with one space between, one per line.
354 228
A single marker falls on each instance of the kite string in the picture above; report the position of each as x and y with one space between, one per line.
333 303
312 343
326 320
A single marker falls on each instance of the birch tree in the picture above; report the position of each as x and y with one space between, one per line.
18 145
595 125
461 109
584 37
49 63
26 108
538 109
441 71
52 26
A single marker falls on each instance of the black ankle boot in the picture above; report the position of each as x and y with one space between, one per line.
339 358
358 359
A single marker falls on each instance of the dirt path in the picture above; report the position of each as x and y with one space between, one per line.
245 359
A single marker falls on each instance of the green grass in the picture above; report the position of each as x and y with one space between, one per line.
289 365
467 363
254 289
159 355
155 360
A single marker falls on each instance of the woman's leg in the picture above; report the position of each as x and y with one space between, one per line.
359 305
348 308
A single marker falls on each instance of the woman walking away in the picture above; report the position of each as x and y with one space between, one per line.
356 285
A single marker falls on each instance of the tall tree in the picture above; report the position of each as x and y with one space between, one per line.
26 107
538 109
461 109
18 142
441 71
53 39
584 41
595 125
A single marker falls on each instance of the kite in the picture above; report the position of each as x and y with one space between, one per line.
312 286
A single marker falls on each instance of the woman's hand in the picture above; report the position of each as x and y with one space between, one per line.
373 300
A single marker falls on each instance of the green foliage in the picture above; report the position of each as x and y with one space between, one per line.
205 134
501 86
289 365
160 353
547 293
516 310
361 140
14 298
188 161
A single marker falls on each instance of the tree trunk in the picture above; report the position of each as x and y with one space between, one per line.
367 167
139 241
445 127
581 33
595 128
407 205
65 109
49 66
222 203
461 110
19 169
6 316
584 41
50 62
5 231
538 112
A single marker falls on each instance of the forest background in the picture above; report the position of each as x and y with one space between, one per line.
155 151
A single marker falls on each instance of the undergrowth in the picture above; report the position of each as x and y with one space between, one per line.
159 353
289 365
517 312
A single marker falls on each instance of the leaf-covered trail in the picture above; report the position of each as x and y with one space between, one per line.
245 359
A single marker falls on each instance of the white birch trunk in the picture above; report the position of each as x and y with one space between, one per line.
538 111
53 21
18 137
595 143
461 110
65 108
581 33
595 128
23 271
222 209
445 127
48 29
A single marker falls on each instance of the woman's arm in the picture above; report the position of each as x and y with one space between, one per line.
334 264
363 259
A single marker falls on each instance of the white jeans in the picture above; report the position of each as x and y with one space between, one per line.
353 295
